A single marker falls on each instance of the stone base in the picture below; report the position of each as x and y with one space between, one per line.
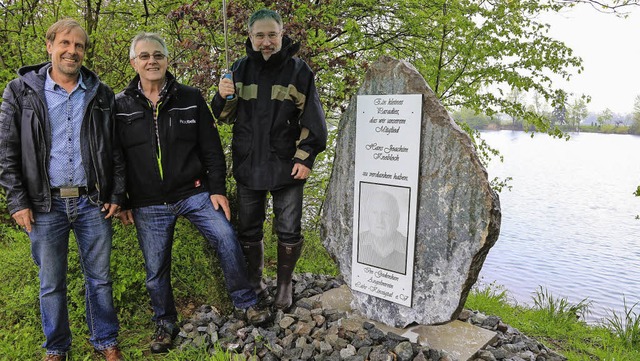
459 339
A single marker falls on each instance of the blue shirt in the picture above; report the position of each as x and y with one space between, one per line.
66 111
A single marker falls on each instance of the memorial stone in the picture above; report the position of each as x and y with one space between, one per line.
458 214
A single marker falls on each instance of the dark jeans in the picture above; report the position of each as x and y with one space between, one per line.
156 224
50 248
287 208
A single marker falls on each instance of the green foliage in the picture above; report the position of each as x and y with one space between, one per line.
475 120
464 49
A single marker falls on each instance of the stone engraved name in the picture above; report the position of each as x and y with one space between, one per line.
386 153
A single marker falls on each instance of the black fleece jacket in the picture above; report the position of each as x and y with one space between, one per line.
188 158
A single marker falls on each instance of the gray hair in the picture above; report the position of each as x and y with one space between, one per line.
263 14
147 37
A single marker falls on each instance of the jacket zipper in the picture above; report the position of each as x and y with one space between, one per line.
155 110
91 145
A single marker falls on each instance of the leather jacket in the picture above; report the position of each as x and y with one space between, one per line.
25 142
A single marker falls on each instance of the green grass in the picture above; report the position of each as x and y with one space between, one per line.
198 280
559 324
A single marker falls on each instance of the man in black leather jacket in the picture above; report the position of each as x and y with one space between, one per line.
61 171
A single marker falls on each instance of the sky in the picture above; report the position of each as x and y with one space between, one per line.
610 49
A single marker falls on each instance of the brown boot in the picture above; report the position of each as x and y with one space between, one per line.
112 354
55 357
288 255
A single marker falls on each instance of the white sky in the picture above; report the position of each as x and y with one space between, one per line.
610 49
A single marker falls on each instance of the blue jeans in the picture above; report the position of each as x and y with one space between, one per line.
287 209
50 247
156 224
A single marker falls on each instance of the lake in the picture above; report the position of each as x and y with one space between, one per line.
568 223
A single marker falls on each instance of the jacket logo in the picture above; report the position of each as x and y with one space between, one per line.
187 121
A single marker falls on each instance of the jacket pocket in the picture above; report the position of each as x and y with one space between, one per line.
132 129
283 139
184 121
284 148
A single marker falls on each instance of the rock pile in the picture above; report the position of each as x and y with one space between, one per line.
309 332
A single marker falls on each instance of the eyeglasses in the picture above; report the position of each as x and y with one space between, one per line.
262 36
147 56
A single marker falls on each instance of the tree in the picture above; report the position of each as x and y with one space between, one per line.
471 53
559 114
604 117
635 126
577 112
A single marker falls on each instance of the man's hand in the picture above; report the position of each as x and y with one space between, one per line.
226 87
112 210
300 171
126 217
218 200
24 218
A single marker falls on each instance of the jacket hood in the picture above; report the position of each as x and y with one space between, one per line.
288 50
35 75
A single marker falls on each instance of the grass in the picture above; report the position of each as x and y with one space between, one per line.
559 324
198 280
626 325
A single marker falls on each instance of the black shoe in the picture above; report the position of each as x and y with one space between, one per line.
163 338
265 300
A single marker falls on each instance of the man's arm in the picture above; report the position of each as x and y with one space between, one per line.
210 147
224 109
11 156
313 137
118 193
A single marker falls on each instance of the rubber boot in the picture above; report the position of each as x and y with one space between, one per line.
254 255
288 255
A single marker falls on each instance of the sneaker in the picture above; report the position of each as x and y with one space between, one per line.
112 354
258 316
163 338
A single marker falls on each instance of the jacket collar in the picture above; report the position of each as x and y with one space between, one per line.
288 50
168 88
35 76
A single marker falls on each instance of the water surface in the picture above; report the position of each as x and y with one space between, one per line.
568 224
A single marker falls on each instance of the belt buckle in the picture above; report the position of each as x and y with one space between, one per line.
69 192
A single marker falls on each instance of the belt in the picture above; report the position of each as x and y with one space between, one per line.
68 192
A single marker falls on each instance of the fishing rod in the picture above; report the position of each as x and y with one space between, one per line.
228 74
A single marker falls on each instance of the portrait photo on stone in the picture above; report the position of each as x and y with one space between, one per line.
383 224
